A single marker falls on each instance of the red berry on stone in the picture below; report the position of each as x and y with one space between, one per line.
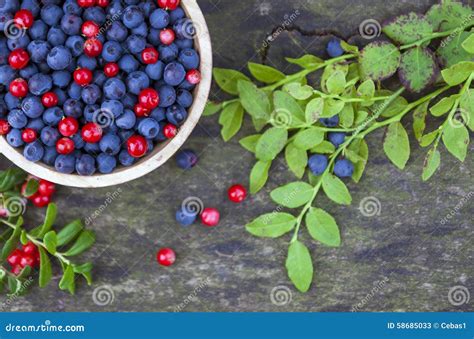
168 4
27 260
237 193
149 98
49 99
141 111
103 3
167 36
111 69
137 146
166 257
4 127
90 29
15 257
210 217
46 188
23 19
40 200
68 126
193 76
170 131
93 47
29 135
82 76
30 248
18 58
65 146
19 88
150 56
86 3
91 132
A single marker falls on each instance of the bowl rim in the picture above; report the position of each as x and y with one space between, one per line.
162 152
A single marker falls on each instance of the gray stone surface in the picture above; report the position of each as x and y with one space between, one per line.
404 259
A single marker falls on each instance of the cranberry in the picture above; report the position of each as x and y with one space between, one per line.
111 69
237 193
170 131
15 257
168 4
166 257
149 98
90 29
137 146
29 135
86 3
68 126
23 19
82 76
18 58
19 88
46 188
40 200
27 260
150 56
210 217
30 249
64 146
4 127
193 76
141 111
102 3
167 36
49 99
92 47
91 132
16 270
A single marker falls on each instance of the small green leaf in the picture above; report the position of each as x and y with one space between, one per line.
431 163
298 91
271 225
259 176
467 108
456 139
85 271
443 106
451 49
322 227
308 138
265 74
379 60
307 61
23 237
49 219
12 242
69 232
297 159
336 190
67 281
366 89
346 116
406 29
314 110
46 273
227 79
397 145
271 143
324 147
329 70
419 120
395 107
359 167
231 120
449 15
286 106
468 44
349 48
211 108
428 139
332 107
418 69
293 195
458 73
336 83
254 100
85 240
299 266
50 241
31 187
250 142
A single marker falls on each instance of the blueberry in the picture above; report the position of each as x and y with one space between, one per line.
129 100
184 29
126 120
147 7
39 30
44 68
112 51
136 44
51 14
124 135
89 112
3 108
189 58
330 122
4 18
186 159
85 165
59 58
115 8
22 42
74 91
110 144
100 78
50 155
114 88
76 45
7 74
159 114
317 163
174 74
168 53
40 84
167 96
90 94
38 50
52 116
106 163
27 72
184 98
141 30
73 108
36 124
117 32
343 168
132 17
71 24
126 159
334 48
185 217
176 114
336 138
49 136
56 36
184 43
114 106
79 143
153 36
155 71
61 96
71 7
128 63
159 18
136 81
87 62
32 107
32 6
14 138
176 14
61 78
93 149
149 128
11 101
33 151
17 119
95 14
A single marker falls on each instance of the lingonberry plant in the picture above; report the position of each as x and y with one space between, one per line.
25 249
350 102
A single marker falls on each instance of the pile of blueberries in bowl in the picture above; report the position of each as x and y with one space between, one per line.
87 86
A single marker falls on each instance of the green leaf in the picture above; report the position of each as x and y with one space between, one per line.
31 187
271 225
49 219
231 120
287 109
332 107
451 49
325 147
467 108
349 48
418 69
322 227
458 73
359 166
12 242
468 44
396 144
428 139
259 176
307 61
443 106
85 240
299 266
297 159
308 138
408 28
250 142
265 74
50 241
336 83
293 195
24 237
46 272
314 110
211 108
254 100
271 143
346 116
419 120
67 281
379 60
366 89
431 163
11 177
298 91
336 190
456 139
69 232
395 107
449 15
227 79
329 70
85 270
